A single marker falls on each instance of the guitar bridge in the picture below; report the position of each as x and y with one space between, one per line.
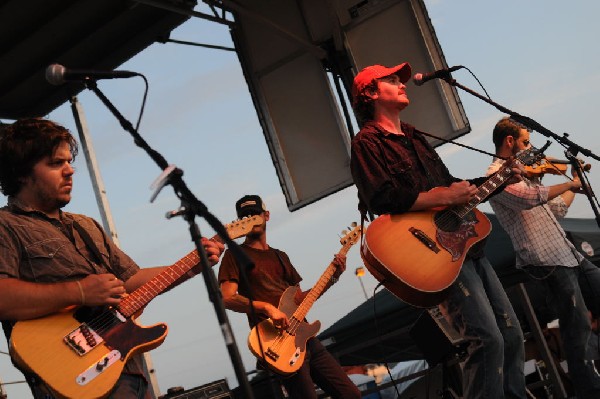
425 239
271 354
82 339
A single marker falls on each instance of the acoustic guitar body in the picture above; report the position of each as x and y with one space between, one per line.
418 255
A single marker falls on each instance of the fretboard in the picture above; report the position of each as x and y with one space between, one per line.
157 285
485 190
319 287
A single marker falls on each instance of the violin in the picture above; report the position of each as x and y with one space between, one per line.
552 166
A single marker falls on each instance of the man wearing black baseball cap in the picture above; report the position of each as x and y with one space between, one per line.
272 274
249 205
397 171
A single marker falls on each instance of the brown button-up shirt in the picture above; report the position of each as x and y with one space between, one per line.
36 248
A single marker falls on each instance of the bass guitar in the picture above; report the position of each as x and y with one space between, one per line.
80 352
285 349
418 255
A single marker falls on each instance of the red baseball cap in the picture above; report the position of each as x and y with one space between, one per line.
370 73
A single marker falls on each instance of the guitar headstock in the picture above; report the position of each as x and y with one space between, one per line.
241 227
351 237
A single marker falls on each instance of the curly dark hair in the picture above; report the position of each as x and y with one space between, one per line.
23 144
504 128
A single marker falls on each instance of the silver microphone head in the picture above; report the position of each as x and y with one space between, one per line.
55 74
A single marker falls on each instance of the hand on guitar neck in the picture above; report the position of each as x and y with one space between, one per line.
89 346
282 347
213 247
460 193
418 255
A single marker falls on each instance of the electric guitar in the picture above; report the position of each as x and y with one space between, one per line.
284 350
418 255
80 352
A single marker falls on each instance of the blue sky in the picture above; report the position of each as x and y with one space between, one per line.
539 58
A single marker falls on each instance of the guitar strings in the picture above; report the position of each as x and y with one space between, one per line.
525 157
108 318
295 321
461 211
297 318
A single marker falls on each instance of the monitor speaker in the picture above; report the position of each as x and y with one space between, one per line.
435 337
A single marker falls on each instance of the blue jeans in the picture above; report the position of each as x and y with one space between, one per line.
480 310
589 283
567 286
320 368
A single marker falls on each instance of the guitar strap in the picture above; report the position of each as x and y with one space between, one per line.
363 217
91 245
283 266
285 276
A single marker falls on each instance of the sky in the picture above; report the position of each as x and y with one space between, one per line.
539 58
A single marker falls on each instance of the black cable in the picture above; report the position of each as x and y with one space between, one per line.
379 336
480 85
459 144
387 367
143 106
188 43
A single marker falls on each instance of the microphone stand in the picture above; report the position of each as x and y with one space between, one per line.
572 148
190 207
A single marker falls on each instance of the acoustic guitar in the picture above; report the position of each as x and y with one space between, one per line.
285 349
418 255
80 352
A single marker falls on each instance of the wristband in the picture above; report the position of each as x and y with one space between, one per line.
81 292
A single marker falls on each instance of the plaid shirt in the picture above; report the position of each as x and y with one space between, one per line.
529 219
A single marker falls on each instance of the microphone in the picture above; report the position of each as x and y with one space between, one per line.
57 74
421 78
537 151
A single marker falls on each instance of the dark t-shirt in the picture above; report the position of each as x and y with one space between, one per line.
270 276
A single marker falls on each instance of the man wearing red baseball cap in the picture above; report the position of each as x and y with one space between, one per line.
397 171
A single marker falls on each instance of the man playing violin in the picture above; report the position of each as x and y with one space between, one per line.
528 211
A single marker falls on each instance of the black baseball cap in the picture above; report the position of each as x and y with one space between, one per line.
249 205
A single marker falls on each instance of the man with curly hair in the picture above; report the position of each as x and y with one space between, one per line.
51 259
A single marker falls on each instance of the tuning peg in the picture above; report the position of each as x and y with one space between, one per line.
353 224
344 232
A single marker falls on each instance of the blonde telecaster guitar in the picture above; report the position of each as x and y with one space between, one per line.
80 352
284 350
418 255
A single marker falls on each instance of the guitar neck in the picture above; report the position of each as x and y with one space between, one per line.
318 288
160 283
485 190
139 298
